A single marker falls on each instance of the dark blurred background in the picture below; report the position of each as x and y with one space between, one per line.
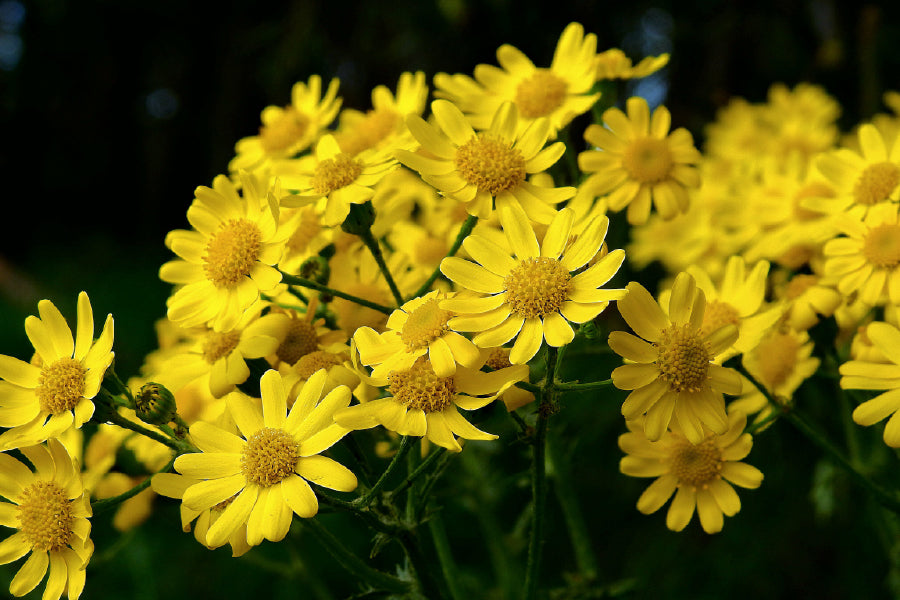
112 112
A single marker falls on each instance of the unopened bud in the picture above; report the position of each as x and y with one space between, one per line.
155 404
360 218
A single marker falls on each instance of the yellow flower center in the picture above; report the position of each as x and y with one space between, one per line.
882 246
717 315
698 465
301 339
424 325
45 516
270 456
647 160
776 358
420 388
232 252
312 362
537 286
334 173
490 164
498 359
683 358
876 183
799 284
307 229
217 346
61 385
284 131
540 94
369 132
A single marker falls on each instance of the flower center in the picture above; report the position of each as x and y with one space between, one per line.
270 456
799 284
334 173
369 132
540 94
882 246
420 389
490 164
696 465
45 516
776 356
876 183
498 359
683 358
283 132
301 339
647 160
717 315
219 345
537 286
232 252
424 325
61 385
312 362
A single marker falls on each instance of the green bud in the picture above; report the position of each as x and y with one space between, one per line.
155 404
316 268
360 218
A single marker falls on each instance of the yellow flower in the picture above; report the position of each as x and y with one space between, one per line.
417 328
288 131
492 165
49 509
422 404
870 375
638 161
782 361
866 261
808 298
41 400
613 64
264 471
336 178
532 296
226 261
700 475
674 374
559 93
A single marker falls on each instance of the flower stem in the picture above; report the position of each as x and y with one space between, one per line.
99 506
575 386
445 555
572 514
294 280
180 446
421 468
405 445
373 246
464 232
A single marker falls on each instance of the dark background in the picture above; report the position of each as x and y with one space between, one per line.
112 112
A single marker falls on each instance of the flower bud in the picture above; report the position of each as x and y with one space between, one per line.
155 404
360 218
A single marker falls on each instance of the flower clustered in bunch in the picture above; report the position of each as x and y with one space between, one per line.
400 270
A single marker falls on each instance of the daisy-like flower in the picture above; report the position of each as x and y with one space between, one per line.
782 361
807 299
336 178
861 180
872 375
866 261
226 261
673 373
701 475
417 328
639 163
422 404
613 64
288 131
533 296
491 166
42 399
49 508
264 471
558 94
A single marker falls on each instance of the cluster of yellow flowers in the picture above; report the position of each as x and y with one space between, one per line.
399 269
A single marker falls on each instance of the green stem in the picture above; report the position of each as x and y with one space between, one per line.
572 514
445 556
464 232
421 468
534 389
773 416
177 445
430 587
99 506
375 249
405 445
294 280
574 386
353 563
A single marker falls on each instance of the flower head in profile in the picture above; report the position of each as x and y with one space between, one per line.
614 64
558 93
533 295
228 258
49 509
671 373
42 399
287 131
700 475
639 163
488 168
264 471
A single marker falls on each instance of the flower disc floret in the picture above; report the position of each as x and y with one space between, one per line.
61 385
270 456
717 315
696 465
420 388
490 164
876 183
881 246
232 252
334 173
424 325
314 361
219 345
540 94
683 358
648 160
301 339
45 516
537 286
283 131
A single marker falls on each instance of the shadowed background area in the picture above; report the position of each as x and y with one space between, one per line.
111 114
